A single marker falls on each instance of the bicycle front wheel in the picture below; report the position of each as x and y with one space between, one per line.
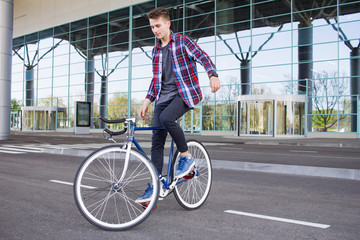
192 191
106 201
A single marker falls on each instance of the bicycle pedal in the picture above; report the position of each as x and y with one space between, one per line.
190 175
145 206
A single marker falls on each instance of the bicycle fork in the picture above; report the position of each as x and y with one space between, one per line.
126 163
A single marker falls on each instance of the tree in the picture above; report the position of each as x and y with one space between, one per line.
207 112
15 104
118 108
48 102
228 96
327 91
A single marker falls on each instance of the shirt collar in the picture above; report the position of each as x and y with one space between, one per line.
172 38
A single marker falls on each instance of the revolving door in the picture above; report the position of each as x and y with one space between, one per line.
39 118
271 115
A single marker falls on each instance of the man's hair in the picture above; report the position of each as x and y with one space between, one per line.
158 12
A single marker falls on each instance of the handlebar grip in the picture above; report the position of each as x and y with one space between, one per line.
122 120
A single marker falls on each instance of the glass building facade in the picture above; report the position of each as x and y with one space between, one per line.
274 47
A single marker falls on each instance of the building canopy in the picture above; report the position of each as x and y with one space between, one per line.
272 13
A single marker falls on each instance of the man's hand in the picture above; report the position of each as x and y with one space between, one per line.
144 108
214 84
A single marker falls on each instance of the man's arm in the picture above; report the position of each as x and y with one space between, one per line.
201 57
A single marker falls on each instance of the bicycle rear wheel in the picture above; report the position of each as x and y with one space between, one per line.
192 191
107 202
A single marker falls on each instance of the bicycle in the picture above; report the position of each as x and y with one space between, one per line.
110 179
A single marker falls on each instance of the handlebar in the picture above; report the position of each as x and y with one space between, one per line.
112 133
121 120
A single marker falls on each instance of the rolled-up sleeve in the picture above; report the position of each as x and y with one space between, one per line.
199 55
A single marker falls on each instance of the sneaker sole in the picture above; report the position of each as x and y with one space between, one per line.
143 200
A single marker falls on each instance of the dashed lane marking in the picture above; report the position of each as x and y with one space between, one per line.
70 184
302 151
310 224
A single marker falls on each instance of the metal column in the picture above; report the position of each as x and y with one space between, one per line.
6 33
305 56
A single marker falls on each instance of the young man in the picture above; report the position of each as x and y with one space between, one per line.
175 87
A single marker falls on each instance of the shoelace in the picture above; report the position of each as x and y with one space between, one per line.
182 163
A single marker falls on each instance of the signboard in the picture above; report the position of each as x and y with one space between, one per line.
82 117
83 110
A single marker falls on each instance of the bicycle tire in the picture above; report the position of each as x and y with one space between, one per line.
107 203
192 193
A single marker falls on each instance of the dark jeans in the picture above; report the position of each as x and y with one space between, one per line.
166 114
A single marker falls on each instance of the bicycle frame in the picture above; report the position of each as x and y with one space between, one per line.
166 182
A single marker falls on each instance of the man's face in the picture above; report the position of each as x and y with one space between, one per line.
160 27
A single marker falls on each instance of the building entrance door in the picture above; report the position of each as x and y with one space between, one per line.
271 115
39 118
256 118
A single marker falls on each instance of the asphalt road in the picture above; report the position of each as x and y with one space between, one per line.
32 207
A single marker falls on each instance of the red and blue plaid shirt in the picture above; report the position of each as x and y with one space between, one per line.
184 53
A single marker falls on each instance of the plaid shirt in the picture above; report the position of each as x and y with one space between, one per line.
185 52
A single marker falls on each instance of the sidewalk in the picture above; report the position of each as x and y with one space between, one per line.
68 143
15 136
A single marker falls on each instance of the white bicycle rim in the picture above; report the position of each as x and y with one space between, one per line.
136 212
192 193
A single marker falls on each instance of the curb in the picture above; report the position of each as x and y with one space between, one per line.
339 173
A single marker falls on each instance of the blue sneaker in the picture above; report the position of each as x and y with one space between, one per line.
146 197
186 163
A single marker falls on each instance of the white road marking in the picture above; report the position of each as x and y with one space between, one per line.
11 152
26 147
19 150
70 184
291 155
301 151
22 148
310 224
232 148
